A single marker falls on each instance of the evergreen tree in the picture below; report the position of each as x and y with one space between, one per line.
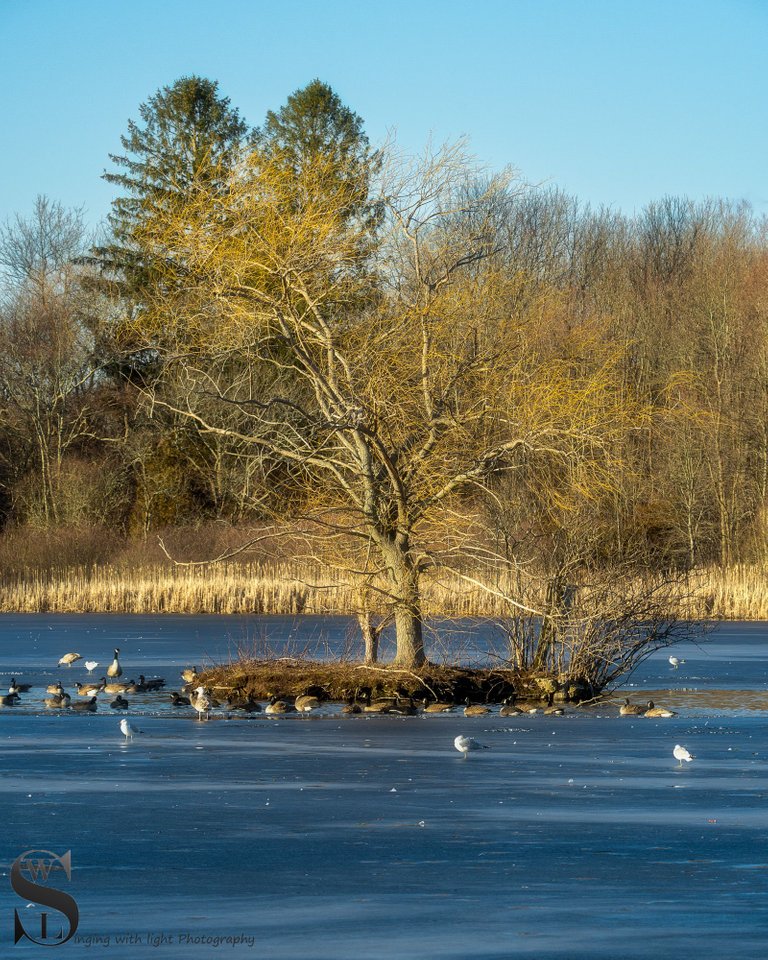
315 127
188 138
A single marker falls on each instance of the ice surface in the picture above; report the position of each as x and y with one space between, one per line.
370 836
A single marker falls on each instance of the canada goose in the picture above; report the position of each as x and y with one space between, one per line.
680 754
119 703
88 689
189 675
654 711
551 710
675 662
19 687
114 670
55 688
628 709
9 699
178 701
86 706
128 729
474 710
115 687
248 704
437 706
405 707
466 744
132 687
377 706
352 706
508 708
202 703
68 659
58 702
279 706
157 683
305 704
90 665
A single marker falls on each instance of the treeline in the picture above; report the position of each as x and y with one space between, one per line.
409 365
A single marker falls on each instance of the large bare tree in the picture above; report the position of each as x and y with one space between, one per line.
402 369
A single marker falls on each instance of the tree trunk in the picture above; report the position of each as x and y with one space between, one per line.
370 636
404 577
409 635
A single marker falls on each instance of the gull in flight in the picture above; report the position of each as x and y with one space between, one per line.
128 729
680 754
465 744
675 662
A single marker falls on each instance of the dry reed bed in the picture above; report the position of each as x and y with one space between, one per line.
737 593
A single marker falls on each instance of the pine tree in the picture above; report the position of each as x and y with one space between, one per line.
188 139
314 126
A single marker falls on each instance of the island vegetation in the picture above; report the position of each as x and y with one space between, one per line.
298 373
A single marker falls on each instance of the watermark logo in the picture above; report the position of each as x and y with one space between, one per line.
30 875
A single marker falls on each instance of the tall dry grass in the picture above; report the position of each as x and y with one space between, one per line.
284 587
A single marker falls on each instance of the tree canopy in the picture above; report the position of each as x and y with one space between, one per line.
188 138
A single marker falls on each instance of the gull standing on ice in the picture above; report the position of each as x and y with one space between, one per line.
465 744
202 703
680 754
675 662
90 665
128 729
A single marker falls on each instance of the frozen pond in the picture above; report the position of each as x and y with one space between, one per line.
370 837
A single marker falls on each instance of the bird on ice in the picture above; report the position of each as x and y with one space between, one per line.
202 703
675 662
628 709
680 754
654 711
465 744
114 670
90 665
128 729
68 659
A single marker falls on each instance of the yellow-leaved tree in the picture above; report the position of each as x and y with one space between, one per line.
391 363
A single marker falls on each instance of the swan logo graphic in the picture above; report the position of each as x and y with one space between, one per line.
30 875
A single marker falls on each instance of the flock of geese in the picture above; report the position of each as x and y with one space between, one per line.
202 700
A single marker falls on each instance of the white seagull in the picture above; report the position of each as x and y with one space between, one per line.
675 662
128 729
201 702
680 754
90 665
465 744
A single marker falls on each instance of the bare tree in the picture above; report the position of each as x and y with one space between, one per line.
46 364
401 374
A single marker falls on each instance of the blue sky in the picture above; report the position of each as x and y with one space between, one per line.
617 102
